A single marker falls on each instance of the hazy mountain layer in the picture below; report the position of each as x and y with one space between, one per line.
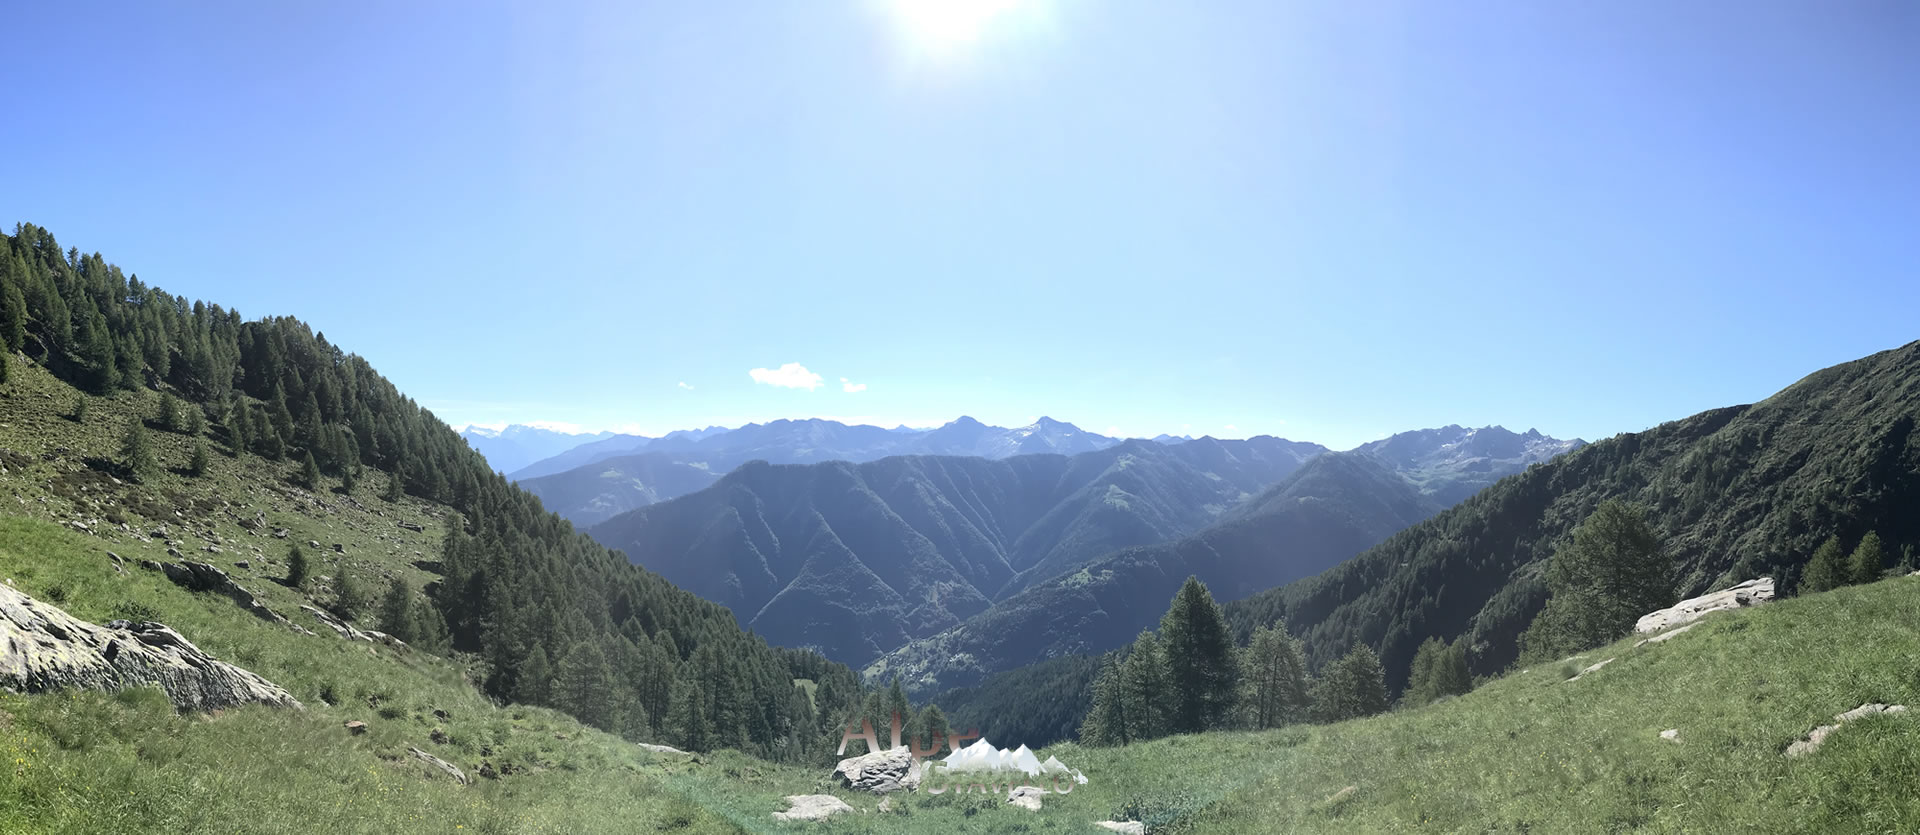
860 558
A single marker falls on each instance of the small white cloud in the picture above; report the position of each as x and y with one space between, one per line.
559 426
848 386
793 375
1231 428
1185 426
683 384
1113 432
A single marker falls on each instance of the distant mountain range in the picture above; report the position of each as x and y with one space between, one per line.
512 447
596 481
962 558
1337 505
860 558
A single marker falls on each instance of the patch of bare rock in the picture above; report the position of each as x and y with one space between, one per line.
811 807
43 648
1818 736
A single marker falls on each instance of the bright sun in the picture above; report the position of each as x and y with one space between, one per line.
940 28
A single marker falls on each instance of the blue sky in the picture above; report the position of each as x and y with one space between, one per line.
1323 221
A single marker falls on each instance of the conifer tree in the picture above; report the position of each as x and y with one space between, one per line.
13 306
198 466
196 420
1827 570
1439 669
1868 560
583 685
296 566
392 492
933 725
429 629
1200 660
1353 687
1612 571
240 430
1106 721
349 600
534 679
167 414
78 411
396 610
1149 689
1275 679
278 417
6 368
136 452
309 472
687 717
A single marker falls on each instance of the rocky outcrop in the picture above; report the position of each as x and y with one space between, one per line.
1818 736
1123 827
880 772
43 648
345 630
811 807
1749 593
199 576
450 769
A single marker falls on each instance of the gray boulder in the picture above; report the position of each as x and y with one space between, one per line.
1749 593
880 772
43 648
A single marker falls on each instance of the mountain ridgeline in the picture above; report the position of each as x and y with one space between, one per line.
1735 493
521 590
602 479
858 559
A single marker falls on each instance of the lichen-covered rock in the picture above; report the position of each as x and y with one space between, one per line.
879 772
43 648
1749 593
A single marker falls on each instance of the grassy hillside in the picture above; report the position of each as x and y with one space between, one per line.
90 762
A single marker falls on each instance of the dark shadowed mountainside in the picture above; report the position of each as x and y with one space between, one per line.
1738 492
858 559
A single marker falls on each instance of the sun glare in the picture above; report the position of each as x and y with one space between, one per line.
942 28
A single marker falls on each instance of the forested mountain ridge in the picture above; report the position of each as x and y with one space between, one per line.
520 589
1735 493
1336 506
859 558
